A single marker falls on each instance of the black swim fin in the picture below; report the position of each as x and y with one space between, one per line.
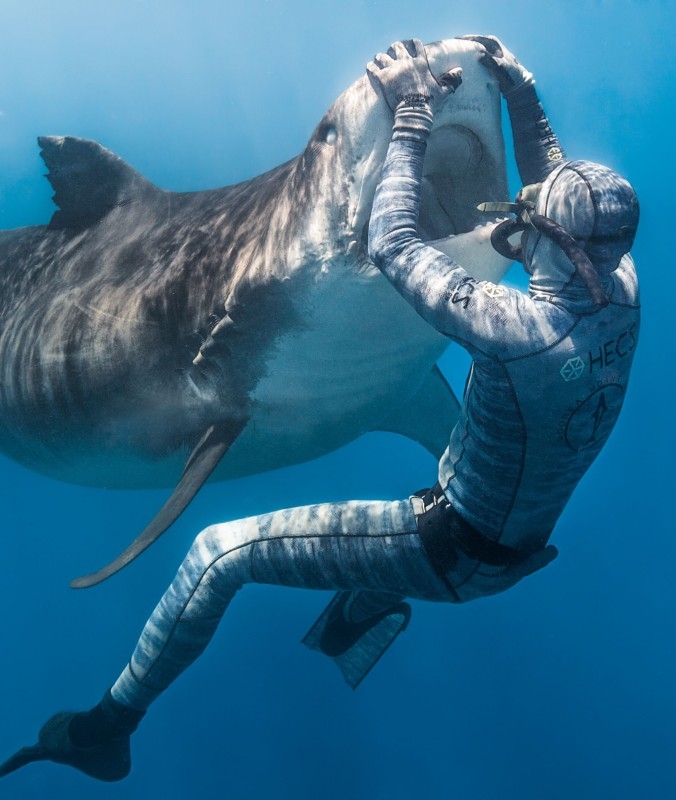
106 762
356 647
201 463
104 752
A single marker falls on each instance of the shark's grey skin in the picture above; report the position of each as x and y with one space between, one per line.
141 324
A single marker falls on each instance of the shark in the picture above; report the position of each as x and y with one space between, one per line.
151 338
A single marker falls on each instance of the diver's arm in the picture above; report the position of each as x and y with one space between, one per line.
536 147
478 315
482 317
410 90
421 274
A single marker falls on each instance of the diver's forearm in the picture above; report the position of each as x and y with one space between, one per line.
422 275
394 218
536 147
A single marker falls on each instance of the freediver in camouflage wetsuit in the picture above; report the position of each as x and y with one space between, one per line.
549 375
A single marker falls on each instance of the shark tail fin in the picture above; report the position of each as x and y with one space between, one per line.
88 181
201 463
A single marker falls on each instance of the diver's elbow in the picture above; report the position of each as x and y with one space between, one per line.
376 249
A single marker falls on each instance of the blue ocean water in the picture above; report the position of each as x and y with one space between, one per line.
561 688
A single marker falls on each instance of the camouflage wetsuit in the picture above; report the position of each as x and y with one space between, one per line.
549 375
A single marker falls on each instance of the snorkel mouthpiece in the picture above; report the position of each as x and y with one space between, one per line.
525 218
523 206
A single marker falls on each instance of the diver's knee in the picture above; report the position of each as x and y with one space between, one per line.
225 538
206 538
206 546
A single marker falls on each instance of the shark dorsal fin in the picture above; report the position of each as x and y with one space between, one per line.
88 180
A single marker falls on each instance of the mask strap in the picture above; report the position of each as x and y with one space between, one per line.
580 260
528 219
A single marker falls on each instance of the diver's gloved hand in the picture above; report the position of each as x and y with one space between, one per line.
405 78
538 560
502 63
509 576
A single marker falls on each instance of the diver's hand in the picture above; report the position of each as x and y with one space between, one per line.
509 576
405 78
502 64
537 560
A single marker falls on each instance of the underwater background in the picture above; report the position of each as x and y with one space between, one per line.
562 687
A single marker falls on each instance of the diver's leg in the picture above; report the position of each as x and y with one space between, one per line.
353 546
357 547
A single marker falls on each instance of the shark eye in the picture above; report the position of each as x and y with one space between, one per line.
330 134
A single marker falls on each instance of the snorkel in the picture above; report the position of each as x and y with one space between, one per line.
524 208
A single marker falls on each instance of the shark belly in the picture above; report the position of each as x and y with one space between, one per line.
362 352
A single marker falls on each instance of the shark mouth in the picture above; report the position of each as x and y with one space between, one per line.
459 173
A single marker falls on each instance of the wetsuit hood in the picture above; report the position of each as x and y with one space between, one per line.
597 207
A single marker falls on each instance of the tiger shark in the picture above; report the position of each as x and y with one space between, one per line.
152 338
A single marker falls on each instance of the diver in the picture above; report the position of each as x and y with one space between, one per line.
549 375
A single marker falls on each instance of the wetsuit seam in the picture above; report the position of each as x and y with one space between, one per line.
133 674
547 347
250 543
472 348
466 434
524 448
469 346
618 304
517 483
464 438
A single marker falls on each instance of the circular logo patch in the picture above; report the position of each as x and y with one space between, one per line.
591 422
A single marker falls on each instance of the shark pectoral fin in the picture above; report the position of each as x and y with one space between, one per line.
429 416
201 463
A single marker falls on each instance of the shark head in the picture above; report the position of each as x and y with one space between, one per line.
464 165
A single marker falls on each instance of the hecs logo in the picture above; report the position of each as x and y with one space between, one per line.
572 369
602 356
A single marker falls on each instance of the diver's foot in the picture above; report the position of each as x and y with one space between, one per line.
340 633
108 761
355 647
